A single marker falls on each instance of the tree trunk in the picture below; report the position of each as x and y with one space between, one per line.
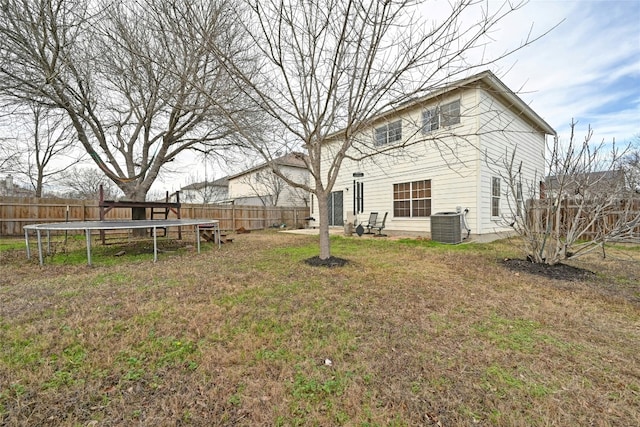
133 191
39 181
323 209
138 214
136 193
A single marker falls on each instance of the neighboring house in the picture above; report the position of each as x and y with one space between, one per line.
9 188
587 185
259 186
206 192
457 143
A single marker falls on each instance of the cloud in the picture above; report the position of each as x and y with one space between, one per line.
588 68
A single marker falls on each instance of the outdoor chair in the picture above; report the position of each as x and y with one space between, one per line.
381 226
373 218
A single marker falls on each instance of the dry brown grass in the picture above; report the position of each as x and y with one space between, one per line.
417 335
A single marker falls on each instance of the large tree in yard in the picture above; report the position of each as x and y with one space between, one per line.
327 67
124 74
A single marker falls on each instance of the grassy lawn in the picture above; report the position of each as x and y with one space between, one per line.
408 333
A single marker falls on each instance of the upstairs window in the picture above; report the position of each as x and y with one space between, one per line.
441 116
389 133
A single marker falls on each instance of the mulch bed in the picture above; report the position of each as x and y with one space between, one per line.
566 277
332 261
556 271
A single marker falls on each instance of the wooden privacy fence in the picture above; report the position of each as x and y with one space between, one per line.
622 213
16 212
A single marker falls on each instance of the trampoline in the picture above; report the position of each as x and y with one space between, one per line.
89 226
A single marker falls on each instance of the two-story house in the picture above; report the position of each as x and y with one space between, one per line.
206 192
9 188
453 150
259 186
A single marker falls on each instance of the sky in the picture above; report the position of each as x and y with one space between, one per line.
586 69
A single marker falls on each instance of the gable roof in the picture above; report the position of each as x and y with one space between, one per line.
295 160
221 182
499 90
485 79
594 182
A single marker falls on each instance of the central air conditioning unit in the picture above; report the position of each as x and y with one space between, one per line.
446 227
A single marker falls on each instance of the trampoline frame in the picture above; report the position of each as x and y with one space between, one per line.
89 226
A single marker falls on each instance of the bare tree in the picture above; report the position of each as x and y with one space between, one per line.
265 186
8 155
584 202
328 67
84 183
42 148
203 191
271 189
124 75
630 164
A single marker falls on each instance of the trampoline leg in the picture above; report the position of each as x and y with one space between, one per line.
198 237
26 242
88 236
48 242
155 245
40 247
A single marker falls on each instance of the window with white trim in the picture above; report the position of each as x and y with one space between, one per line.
495 196
388 133
441 116
412 199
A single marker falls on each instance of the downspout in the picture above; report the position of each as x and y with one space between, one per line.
479 171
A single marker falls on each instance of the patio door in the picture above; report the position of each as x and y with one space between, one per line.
336 208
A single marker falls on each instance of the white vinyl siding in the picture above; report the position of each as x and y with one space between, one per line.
460 175
501 132
250 189
452 172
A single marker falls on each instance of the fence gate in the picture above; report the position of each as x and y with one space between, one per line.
335 208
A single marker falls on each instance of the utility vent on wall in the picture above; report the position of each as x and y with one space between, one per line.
446 227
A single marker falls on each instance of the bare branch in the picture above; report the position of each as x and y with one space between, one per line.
586 201
328 69
124 74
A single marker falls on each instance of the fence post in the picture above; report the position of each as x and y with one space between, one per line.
233 216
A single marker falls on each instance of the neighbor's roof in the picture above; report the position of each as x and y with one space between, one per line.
222 182
603 180
296 160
